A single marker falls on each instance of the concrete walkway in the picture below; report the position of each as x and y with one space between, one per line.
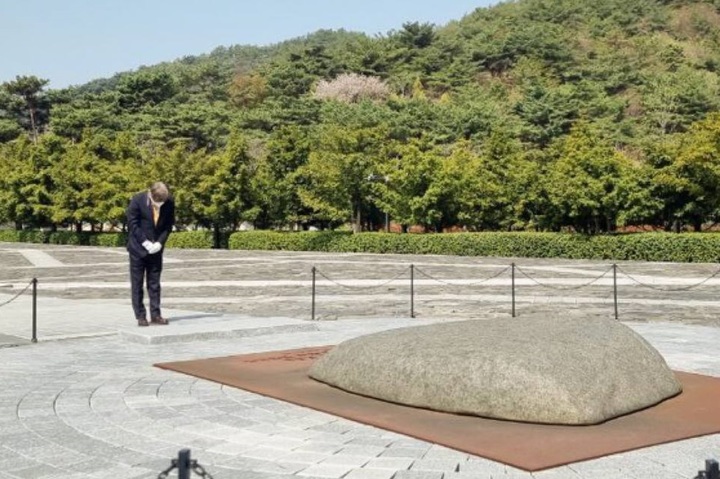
86 402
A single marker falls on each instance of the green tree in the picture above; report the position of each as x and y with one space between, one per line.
674 100
96 113
94 180
548 112
247 91
334 180
15 174
416 35
9 130
590 184
494 184
686 176
406 193
32 109
27 182
222 194
294 74
278 177
145 88
198 125
77 173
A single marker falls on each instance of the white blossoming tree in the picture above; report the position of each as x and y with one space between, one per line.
352 88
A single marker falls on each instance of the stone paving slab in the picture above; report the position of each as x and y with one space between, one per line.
59 318
7 341
278 283
85 403
100 402
184 330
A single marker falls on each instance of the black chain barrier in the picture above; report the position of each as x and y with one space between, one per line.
374 286
17 295
316 271
614 268
473 283
185 466
682 288
33 283
564 288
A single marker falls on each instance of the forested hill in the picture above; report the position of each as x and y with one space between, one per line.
533 114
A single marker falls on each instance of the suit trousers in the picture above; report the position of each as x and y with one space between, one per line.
148 269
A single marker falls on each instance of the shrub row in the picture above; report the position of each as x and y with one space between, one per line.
298 241
182 239
686 247
191 240
27 236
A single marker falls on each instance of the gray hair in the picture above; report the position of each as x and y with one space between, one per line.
159 192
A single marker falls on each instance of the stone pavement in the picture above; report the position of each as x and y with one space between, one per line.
86 402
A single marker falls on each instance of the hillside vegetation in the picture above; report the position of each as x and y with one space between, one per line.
541 115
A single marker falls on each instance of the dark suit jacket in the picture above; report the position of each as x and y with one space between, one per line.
141 226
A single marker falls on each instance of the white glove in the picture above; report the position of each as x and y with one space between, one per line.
154 248
147 244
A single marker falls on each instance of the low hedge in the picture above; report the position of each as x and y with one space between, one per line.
685 247
297 241
68 237
180 239
108 239
191 239
24 236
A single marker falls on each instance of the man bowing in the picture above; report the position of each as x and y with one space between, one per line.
150 217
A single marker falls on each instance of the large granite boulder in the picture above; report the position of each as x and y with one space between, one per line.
538 369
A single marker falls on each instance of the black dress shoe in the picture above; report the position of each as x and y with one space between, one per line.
159 320
143 322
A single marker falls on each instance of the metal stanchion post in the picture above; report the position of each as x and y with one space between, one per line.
183 464
312 314
513 290
712 469
34 310
615 289
412 290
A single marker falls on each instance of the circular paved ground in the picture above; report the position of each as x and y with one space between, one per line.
96 408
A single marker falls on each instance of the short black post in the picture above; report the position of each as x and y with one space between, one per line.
312 314
712 469
412 290
183 464
615 289
513 290
34 310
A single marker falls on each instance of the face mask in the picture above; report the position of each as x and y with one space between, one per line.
156 204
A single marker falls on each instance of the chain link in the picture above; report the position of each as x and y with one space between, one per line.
402 273
682 288
455 284
166 472
563 288
199 470
17 295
